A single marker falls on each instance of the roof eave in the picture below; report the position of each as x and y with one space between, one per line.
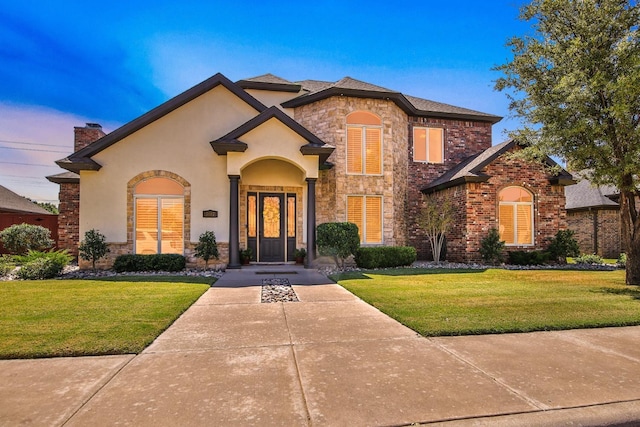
323 152
454 183
222 147
77 164
275 87
63 180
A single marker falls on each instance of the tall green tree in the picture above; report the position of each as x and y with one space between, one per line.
575 83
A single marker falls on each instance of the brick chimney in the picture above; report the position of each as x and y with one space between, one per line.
84 136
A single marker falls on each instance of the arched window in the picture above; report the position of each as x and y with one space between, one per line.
515 216
159 216
364 143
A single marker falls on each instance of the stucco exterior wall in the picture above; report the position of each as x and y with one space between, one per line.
327 120
177 143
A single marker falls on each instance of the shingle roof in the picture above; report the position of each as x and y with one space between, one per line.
470 169
348 86
585 195
12 202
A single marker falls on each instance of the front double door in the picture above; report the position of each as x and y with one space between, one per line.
271 226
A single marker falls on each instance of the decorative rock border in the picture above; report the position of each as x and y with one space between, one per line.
277 290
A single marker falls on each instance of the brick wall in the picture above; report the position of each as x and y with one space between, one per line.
597 231
462 139
69 194
327 120
482 205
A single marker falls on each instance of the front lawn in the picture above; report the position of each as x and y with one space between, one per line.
455 302
90 317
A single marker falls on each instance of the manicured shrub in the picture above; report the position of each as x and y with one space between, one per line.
338 239
207 247
42 265
563 245
491 248
589 259
21 238
93 247
385 256
528 258
156 262
622 260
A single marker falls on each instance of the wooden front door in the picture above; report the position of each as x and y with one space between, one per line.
271 226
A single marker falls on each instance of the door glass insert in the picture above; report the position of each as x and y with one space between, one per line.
291 216
271 216
251 216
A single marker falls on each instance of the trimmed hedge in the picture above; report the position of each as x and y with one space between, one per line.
529 258
156 262
385 256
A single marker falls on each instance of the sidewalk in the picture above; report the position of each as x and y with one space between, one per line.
331 360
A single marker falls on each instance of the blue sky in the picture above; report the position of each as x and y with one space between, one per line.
66 63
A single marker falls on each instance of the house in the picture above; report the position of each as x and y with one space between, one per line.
15 209
263 160
593 213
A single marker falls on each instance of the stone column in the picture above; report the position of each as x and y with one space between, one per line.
311 222
234 226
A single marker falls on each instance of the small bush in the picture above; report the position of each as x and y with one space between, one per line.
42 265
6 265
385 256
491 248
21 238
589 259
528 258
338 239
562 246
622 260
93 247
156 262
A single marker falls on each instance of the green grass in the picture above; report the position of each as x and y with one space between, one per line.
454 302
90 317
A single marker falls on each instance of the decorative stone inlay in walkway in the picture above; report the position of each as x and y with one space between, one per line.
278 290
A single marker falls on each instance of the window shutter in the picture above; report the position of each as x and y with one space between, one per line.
524 224
354 150
506 223
147 226
373 151
374 219
172 219
435 145
354 213
419 145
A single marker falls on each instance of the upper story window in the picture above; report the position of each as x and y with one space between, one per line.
364 144
159 217
428 145
515 216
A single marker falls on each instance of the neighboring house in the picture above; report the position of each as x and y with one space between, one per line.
15 209
262 161
594 215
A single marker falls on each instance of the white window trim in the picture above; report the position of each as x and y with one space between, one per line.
364 222
427 144
514 206
158 198
364 150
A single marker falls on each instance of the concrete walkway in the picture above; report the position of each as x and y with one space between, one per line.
331 360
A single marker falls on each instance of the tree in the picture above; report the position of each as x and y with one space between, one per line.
436 216
492 248
207 247
575 83
93 247
48 207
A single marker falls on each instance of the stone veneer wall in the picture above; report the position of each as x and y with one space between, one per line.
462 139
327 120
607 226
482 205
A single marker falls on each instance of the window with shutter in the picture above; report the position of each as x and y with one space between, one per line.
159 217
515 216
428 145
366 213
364 143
